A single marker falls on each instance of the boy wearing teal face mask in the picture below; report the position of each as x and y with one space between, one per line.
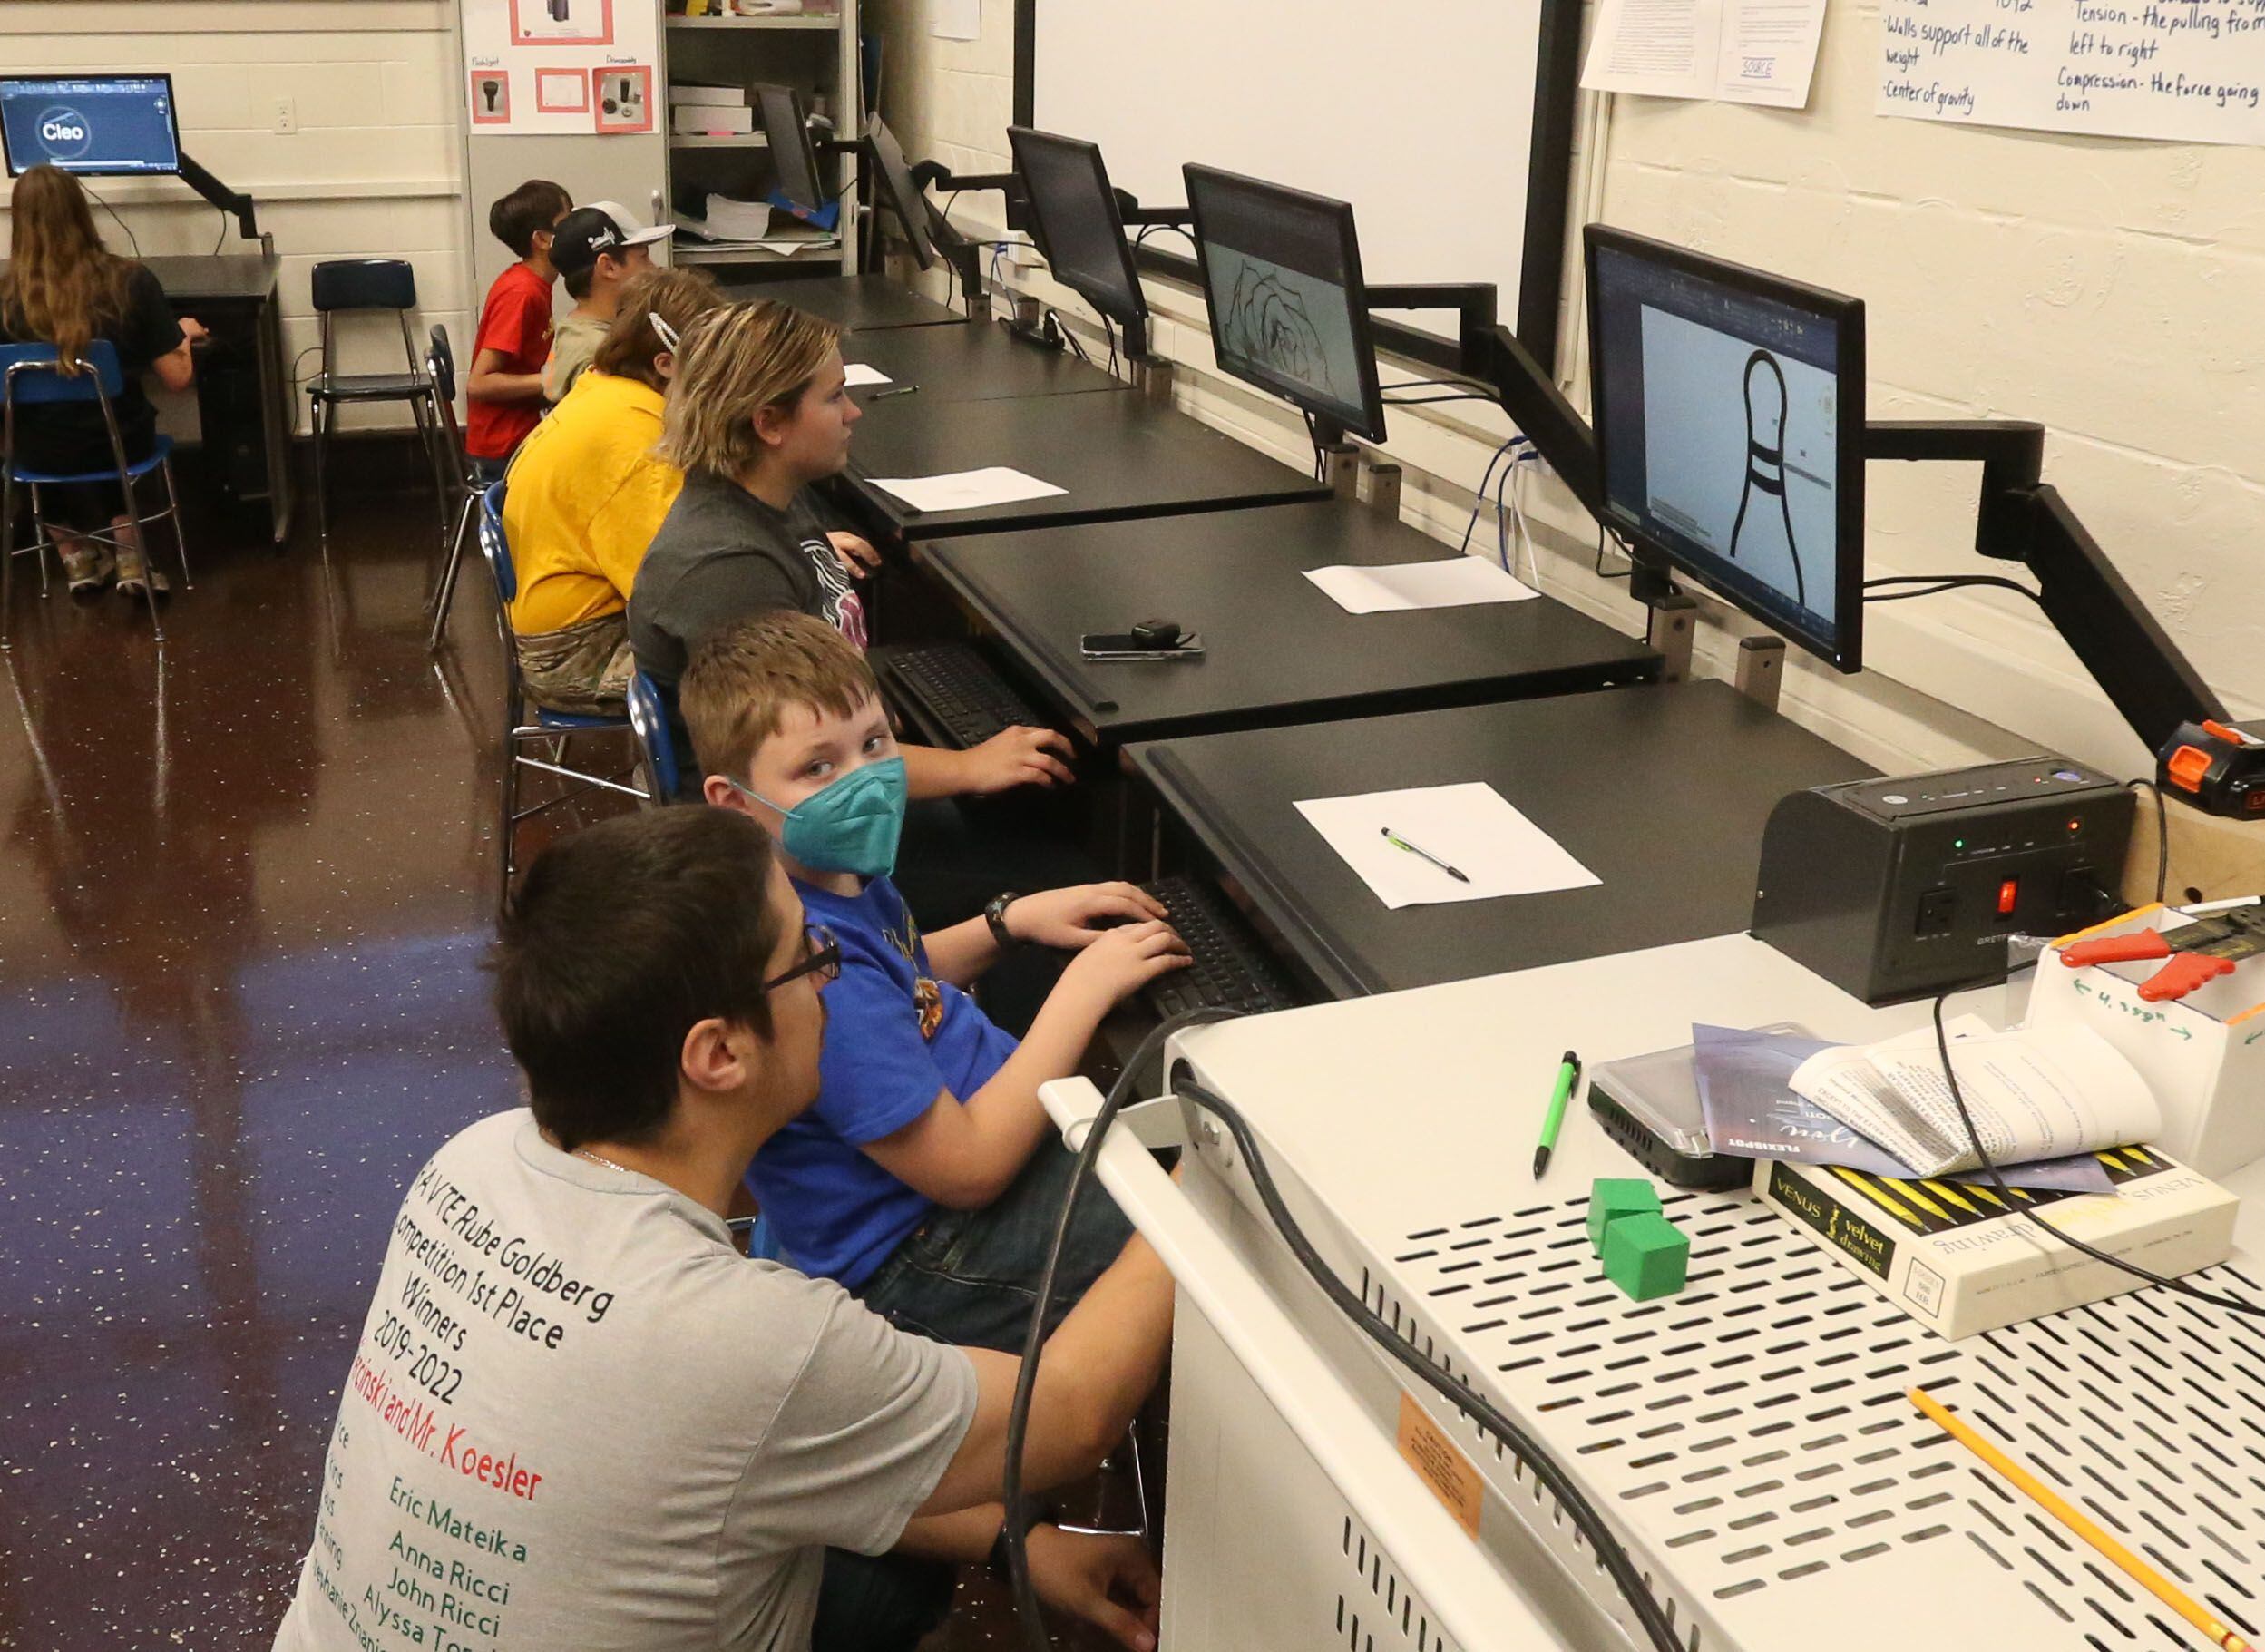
923 1179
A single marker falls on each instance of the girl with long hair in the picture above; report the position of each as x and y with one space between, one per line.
63 288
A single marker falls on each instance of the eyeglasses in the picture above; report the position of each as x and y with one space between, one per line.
821 957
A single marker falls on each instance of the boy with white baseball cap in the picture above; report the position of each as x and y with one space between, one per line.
596 249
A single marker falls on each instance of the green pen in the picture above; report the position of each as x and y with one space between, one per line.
1568 1075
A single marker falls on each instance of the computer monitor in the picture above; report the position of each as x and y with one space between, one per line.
1074 216
96 125
1729 407
786 130
1289 311
904 196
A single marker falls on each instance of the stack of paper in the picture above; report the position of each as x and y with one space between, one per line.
2033 1092
1453 581
737 220
710 120
968 490
1435 843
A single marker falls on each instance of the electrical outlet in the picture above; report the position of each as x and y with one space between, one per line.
286 114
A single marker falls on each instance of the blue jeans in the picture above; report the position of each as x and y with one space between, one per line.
970 1277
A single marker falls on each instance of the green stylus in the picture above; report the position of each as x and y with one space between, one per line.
1568 1075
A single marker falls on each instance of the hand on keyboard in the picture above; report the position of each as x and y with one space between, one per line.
1017 756
1077 916
1118 962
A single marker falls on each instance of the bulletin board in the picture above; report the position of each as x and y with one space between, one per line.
561 66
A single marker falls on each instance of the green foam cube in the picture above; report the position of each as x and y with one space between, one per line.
1613 1197
1646 1256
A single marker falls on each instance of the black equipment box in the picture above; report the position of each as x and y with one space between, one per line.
1897 888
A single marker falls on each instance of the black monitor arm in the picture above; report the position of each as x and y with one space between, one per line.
228 200
2024 519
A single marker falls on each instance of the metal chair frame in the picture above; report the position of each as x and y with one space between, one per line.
440 365
525 725
102 377
329 388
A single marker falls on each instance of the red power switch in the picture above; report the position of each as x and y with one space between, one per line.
2008 892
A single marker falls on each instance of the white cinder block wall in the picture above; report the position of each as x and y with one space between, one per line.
372 169
2107 289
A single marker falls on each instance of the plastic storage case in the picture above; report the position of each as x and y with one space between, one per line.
1649 1104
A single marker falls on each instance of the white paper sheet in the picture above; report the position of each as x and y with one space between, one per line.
1471 828
956 19
2193 71
968 490
1735 51
856 373
1455 582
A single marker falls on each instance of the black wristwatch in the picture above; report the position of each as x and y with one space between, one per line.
995 915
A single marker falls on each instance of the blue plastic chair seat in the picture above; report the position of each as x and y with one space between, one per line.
161 451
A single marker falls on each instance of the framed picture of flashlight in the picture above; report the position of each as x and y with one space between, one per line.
562 22
491 98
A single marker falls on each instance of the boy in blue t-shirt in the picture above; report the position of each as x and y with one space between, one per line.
923 1179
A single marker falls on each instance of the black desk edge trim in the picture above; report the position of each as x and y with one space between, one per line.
1321 956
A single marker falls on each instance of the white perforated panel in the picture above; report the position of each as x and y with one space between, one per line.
1757 1427
1374 1608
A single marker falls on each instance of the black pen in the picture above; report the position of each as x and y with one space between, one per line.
898 390
1398 842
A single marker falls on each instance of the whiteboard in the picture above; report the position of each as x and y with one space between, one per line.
1423 115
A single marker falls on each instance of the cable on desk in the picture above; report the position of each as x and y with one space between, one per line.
1546 1469
1140 239
2233 1304
1937 583
1598 568
128 228
1033 1342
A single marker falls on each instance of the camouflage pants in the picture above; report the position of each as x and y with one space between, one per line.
584 668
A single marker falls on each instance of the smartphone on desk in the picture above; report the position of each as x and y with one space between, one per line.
1125 645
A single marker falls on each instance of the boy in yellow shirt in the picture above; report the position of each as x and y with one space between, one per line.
587 492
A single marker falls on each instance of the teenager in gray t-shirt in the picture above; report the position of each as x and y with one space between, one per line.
578 1417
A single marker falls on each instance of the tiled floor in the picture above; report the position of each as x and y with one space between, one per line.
244 896
241 906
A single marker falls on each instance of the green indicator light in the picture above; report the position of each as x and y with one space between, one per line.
1958 843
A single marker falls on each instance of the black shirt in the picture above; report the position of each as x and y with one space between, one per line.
69 437
723 555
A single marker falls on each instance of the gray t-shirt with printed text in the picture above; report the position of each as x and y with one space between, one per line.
577 1417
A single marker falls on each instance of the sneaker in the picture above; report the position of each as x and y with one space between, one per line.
87 566
135 575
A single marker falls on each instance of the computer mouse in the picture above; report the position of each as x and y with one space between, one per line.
1155 633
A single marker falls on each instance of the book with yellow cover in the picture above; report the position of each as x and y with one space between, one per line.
1952 1254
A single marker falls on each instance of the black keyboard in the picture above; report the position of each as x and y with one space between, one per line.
1232 968
956 688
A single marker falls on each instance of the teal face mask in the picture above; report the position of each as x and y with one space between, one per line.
851 826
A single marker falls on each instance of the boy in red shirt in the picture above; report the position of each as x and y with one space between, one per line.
505 383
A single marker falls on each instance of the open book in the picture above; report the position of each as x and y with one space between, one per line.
2035 1092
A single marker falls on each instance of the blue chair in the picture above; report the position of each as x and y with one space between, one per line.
343 285
649 716
525 726
32 379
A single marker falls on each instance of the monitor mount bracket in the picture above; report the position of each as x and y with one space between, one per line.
2023 518
235 204
964 255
